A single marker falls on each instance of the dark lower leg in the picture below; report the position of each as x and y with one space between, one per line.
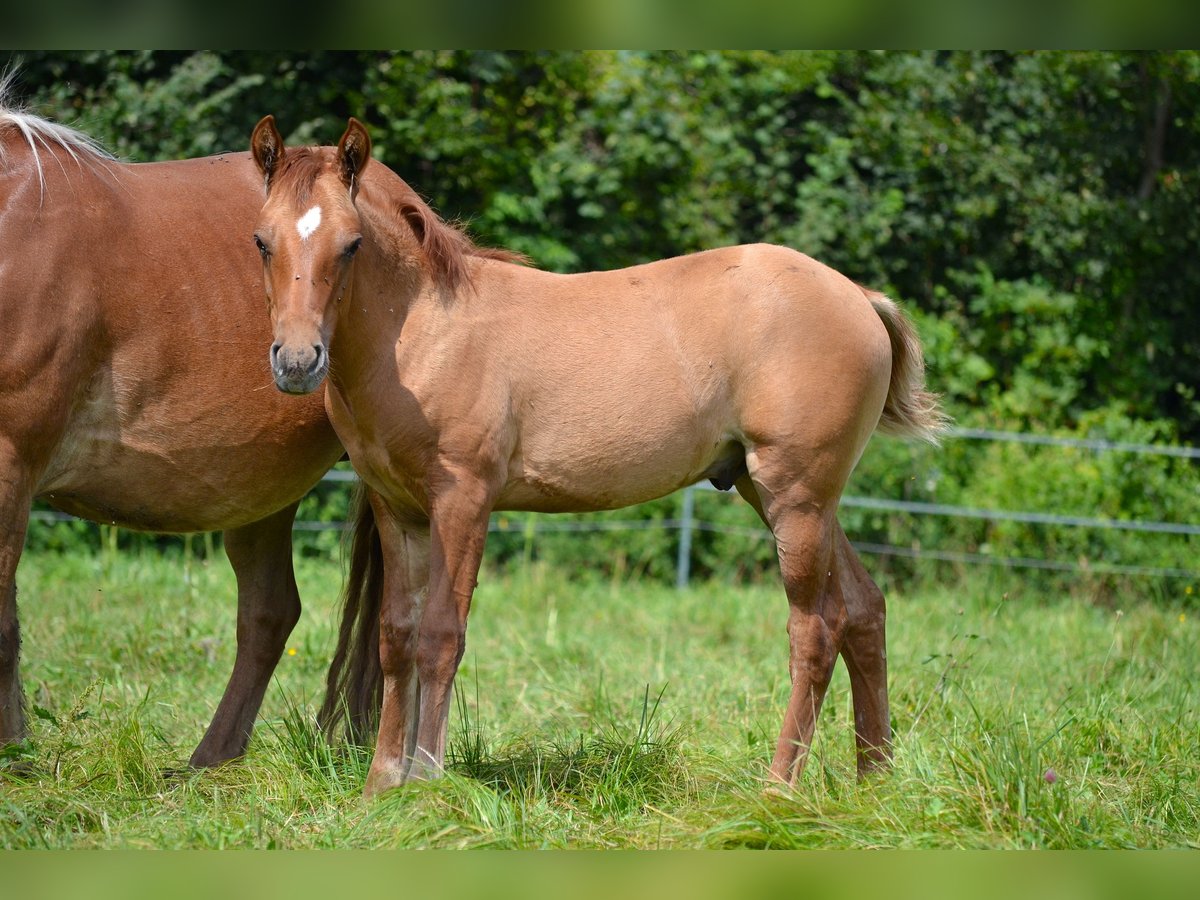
14 512
12 712
268 609
864 651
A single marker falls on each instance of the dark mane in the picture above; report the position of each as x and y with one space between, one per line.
446 247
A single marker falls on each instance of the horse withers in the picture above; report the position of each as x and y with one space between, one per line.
133 389
461 383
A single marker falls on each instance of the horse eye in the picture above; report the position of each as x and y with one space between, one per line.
352 248
262 248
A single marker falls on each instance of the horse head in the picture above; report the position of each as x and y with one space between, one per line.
307 234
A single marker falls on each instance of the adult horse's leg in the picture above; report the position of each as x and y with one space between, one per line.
802 517
14 519
865 653
405 584
268 609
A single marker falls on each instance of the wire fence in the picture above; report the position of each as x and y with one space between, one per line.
687 524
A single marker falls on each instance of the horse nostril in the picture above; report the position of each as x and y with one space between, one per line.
319 353
275 353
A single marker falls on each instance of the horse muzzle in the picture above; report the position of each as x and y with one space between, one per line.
299 369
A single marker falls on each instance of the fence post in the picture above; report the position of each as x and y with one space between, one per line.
683 563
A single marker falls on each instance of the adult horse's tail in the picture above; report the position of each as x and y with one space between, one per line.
354 687
910 409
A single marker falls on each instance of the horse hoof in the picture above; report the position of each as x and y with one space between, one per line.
382 780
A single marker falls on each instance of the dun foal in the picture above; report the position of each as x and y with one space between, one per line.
461 384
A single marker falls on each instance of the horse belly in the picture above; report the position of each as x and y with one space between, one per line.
159 474
150 493
582 471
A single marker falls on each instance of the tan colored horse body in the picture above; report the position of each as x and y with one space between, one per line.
132 384
462 385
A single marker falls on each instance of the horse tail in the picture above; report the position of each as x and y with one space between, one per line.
910 409
354 686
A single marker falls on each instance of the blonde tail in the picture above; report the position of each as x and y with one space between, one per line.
910 410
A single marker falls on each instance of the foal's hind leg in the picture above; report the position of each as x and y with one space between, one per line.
863 646
802 516
268 609
816 623
865 653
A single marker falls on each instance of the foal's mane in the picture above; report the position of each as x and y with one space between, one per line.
445 247
42 133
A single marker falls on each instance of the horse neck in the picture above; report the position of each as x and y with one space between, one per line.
390 291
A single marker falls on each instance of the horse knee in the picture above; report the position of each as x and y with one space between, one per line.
397 640
439 651
271 620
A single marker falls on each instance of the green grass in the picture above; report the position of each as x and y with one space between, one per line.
610 715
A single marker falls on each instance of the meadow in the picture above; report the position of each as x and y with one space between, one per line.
614 713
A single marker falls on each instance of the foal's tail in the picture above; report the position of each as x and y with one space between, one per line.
910 410
354 687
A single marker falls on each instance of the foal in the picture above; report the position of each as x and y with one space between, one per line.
461 384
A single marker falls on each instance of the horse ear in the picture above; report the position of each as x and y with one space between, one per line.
266 146
353 152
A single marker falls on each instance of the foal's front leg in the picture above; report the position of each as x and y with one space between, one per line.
458 529
405 584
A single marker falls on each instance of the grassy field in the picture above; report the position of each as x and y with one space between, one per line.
611 715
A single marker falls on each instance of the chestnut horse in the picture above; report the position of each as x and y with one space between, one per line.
460 384
132 386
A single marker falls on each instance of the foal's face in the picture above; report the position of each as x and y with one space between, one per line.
308 233
307 254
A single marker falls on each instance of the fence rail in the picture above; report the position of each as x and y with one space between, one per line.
1021 437
687 523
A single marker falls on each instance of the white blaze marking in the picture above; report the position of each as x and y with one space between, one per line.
309 222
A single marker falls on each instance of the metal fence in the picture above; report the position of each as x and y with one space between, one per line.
688 524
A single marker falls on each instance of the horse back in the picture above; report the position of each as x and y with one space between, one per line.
646 378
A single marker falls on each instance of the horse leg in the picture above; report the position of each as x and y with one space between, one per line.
268 609
863 647
458 530
15 498
865 653
405 584
816 622
803 521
